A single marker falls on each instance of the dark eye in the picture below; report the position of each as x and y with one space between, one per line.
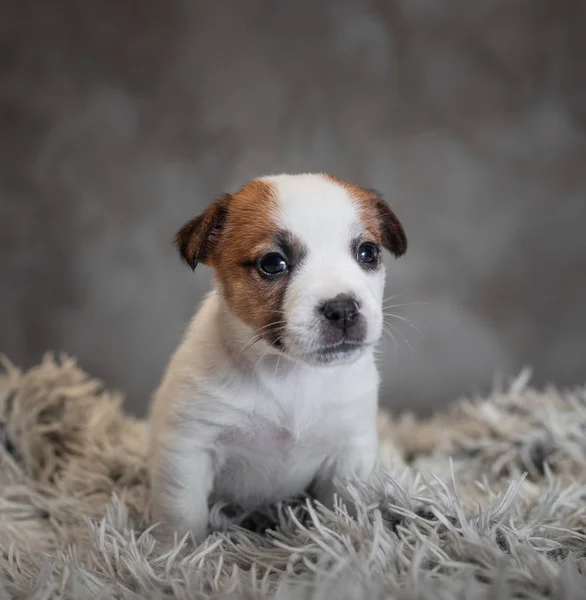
367 253
272 264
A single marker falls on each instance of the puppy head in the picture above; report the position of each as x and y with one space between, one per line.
299 260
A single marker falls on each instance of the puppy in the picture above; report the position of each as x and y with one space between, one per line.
273 389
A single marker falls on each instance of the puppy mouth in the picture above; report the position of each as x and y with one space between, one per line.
341 349
332 345
341 346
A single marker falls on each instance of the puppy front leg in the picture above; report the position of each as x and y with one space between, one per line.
181 483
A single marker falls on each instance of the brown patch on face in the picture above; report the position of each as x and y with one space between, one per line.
380 222
231 236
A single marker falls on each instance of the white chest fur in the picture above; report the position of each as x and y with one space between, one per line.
279 439
265 462
257 434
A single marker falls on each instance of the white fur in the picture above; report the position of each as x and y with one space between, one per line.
256 426
325 218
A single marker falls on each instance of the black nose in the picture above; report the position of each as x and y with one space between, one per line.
341 311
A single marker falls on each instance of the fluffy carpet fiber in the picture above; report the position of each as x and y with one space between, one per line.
485 500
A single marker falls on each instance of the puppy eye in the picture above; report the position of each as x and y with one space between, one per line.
272 264
367 253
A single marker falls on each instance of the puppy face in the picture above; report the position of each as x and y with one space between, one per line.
299 260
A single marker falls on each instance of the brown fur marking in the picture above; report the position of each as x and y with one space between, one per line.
246 230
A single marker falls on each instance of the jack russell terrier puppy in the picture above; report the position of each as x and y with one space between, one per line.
273 390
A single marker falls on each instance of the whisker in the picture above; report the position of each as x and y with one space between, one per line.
402 334
259 330
405 304
405 321
395 344
260 359
268 325
258 339
389 298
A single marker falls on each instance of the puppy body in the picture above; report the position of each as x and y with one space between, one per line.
273 389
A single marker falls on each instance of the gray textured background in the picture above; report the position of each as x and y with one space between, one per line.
121 119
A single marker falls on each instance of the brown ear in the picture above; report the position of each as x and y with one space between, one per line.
199 239
393 234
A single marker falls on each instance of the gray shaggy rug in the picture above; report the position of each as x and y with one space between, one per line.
485 500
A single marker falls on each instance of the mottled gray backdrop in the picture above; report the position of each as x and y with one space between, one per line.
121 119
